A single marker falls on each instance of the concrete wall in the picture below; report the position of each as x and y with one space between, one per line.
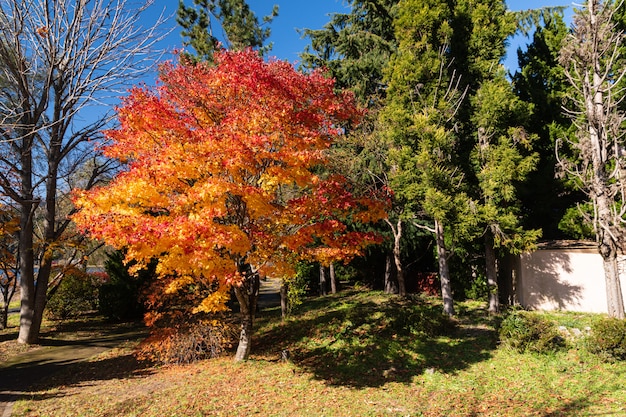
562 277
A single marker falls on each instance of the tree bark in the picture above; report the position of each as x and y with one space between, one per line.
4 316
389 284
491 270
333 278
397 237
283 300
29 322
592 68
609 251
444 270
614 297
323 280
247 294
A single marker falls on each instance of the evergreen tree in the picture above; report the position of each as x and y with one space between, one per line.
548 201
420 117
240 28
502 159
442 80
355 47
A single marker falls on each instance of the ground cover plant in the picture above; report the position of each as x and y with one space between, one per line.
352 354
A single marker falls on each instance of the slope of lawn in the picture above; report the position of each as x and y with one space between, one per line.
351 354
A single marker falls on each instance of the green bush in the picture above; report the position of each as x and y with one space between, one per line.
530 332
422 319
119 296
478 289
608 339
77 293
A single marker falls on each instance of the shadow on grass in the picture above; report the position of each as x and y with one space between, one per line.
570 408
9 334
351 340
71 354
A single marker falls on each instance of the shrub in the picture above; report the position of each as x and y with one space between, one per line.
76 294
187 344
428 283
478 289
530 332
608 339
299 285
422 319
119 296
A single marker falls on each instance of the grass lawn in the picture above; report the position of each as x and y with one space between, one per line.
352 354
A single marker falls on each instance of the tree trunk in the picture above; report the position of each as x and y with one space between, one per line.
7 294
606 224
30 323
608 250
37 295
390 286
444 270
601 97
491 270
397 236
614 296
4 316
322 280
333 279
283 300
247 294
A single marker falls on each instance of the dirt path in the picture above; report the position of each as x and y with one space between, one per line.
32 371
20 374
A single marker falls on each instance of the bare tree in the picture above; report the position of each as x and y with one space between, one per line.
62 63
595 70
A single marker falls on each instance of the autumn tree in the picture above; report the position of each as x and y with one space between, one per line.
224 184
9 260
595 69
59 61
240 27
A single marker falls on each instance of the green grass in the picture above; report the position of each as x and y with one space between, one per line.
354 354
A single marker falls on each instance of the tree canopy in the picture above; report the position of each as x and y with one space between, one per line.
223 181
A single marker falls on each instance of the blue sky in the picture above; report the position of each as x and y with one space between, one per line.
299 14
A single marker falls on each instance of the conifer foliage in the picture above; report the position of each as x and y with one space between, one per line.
223 182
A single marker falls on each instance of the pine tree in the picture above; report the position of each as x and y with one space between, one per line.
355 47
442 80
240 28
548 201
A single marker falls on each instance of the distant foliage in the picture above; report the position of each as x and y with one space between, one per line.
77 294
300 284
478 289
528 332
188 343
608 339
428 283
119 295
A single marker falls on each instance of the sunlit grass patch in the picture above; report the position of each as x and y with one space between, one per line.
359 354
